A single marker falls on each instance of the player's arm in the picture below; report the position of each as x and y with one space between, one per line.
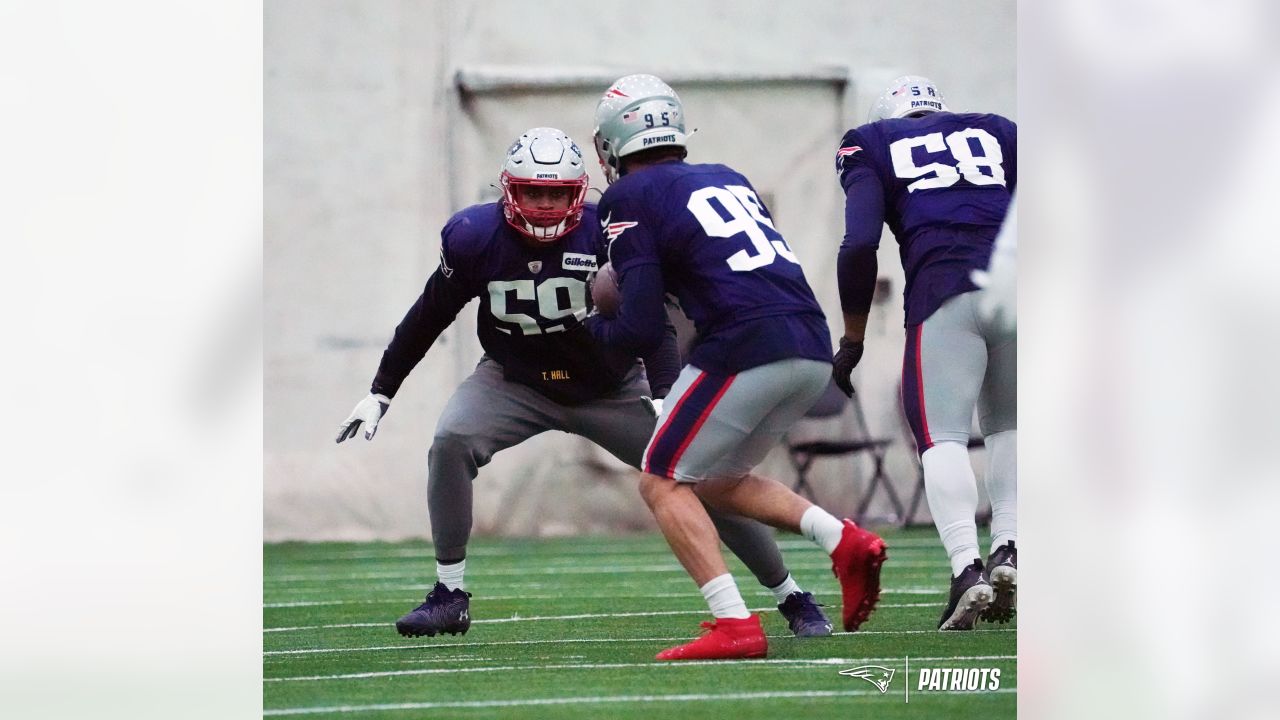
856 266
440 302
435 309
640 326
663 365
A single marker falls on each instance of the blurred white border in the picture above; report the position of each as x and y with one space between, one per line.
131 181
130 177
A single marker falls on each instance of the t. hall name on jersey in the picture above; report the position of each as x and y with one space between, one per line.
579 261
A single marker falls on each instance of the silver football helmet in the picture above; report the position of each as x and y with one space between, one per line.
908 96
638 112
544 184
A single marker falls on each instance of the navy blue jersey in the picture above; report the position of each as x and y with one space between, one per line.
532 302
701 234
942 182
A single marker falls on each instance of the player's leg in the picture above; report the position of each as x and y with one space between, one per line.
998 419
692 536
943 365
622 425
486 414
716 444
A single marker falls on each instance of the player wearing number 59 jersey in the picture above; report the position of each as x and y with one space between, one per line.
701 234
528 260
942 182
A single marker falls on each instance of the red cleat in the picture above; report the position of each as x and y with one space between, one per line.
728 639
856 564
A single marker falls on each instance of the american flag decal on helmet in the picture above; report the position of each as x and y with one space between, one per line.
843 153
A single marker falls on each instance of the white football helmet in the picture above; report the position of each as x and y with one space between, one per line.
540 162
637 112
908 96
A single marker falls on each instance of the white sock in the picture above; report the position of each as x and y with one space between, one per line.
1002 486
821 527
784 589
724 599
953 500
451 574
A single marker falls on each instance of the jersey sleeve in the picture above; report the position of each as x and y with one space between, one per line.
864 213
1011 154
627 235
444 296
864 194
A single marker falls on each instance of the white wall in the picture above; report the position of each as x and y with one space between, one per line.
368 150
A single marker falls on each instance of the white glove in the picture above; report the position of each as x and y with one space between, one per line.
368 411
653 405
998 299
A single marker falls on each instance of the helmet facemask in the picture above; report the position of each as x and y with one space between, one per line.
544 185
544 210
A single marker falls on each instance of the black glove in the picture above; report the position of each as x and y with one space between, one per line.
844 362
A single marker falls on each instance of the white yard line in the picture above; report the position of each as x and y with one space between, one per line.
571 570
650 665
938 591
517 550
313 651
777 695
581 616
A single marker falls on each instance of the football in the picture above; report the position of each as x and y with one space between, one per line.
604 291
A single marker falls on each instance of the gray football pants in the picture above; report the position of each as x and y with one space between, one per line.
487 414
951 362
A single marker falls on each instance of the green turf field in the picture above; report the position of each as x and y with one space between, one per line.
568 628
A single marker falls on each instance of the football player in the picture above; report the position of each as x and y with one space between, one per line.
942 181
762 357
528 258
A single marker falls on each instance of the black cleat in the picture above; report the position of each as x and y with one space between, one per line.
445 611
1002 573
804 615
970 595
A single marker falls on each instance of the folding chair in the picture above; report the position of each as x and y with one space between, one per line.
803 453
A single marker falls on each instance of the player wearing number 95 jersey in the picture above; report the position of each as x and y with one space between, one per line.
942 182
701 234
528 260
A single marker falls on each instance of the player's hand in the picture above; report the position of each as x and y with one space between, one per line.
653 405
842 365
369 411
998 298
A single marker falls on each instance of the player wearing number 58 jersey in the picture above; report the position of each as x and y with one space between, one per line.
942 182
528 260
701 234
